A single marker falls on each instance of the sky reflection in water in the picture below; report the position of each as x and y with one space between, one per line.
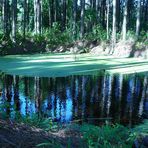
120 97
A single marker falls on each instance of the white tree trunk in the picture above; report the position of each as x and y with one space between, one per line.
82 18
124 29
114 25
107 23
14 19
138 18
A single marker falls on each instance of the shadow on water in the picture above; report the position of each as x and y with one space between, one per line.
90 98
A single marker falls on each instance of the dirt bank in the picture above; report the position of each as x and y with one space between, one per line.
128 48
14 135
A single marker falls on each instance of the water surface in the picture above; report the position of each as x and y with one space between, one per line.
90 98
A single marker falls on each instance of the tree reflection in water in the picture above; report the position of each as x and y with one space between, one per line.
124 98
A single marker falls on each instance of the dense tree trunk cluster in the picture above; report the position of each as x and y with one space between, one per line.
116 16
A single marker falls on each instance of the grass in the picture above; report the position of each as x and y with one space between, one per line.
57 65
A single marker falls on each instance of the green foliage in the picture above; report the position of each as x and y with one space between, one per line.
55 37
37 121
141 129
52 144
5 44
98 33
131 35
107 136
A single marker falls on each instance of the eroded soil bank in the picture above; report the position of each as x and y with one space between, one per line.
128 48
14 135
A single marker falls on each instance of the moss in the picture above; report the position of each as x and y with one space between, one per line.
57 65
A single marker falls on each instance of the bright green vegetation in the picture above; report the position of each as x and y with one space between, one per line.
109 136
66 64
106 136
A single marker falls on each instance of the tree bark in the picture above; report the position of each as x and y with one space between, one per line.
124 29
25 18
64 15
82 18
74 17
118 15
138 18
107 19
14 19
114 25
37 16
5 17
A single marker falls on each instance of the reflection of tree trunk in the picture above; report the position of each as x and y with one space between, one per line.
8 94
37 94
103 95
120 95
26 92
16 94
109 94
141 105
132 90
83 96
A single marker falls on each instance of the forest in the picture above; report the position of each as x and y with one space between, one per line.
74 73
30 26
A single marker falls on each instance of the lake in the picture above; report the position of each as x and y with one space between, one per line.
95 98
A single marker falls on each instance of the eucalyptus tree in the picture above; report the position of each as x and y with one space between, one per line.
64 15
138 18
25 18
14 19
124 29
37 16
114 25
5 16
75 2
97 11
118 14
107 18
82 18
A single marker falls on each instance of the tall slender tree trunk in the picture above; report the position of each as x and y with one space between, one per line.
27 15
1 18
64 15
114 26
25 18
124 29
37 16
55 10
103 13
14 19
74 17
146 12
82 18
138 18
97 11
107 19
5 17
118 15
